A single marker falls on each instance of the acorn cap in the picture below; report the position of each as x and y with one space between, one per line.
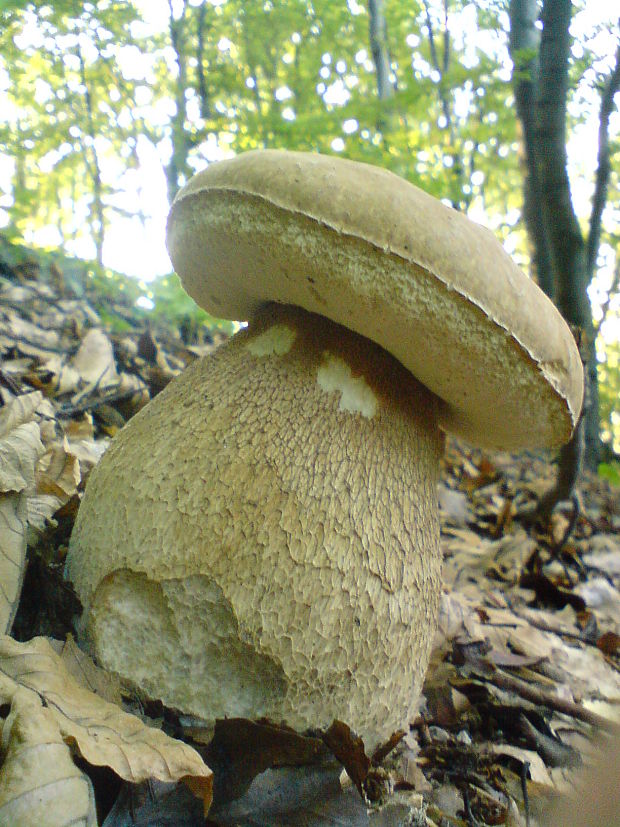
370 251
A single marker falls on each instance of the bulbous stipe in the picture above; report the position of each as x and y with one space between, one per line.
262 539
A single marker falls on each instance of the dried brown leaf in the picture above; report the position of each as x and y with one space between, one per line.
240 750
19 411
13 526
80 429
57 479
19 451
39 782
31 335
82 667
536 766
609 643
64 378
103 733
94 360
348 748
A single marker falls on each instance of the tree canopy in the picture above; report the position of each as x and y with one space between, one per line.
426 88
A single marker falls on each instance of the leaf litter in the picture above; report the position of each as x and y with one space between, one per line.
525 673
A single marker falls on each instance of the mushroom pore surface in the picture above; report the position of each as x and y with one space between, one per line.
262 539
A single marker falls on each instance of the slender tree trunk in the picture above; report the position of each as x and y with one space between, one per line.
564 262
568 249
205 103
541 85
592 422
441 64
91 158
379 48
178 170
524 48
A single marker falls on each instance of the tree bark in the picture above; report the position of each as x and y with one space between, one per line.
541 90
379 48
458 198
178 170
603 164
93 166
601 186
541 84
568 249
563 261
524 47
203 95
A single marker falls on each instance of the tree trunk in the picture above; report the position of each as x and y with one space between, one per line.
93 166
524 47
592 423
203 95
178 171
564 262
541 89
441 63
379 48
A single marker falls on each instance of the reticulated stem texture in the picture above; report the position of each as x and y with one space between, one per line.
262 539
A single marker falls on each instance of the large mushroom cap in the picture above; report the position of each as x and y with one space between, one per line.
368 250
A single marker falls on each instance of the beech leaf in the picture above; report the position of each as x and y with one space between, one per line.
20 449
20 410
39 782
13 525
102 733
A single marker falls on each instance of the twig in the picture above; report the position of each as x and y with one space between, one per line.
90 404
471 819
543 626
541 697
525 768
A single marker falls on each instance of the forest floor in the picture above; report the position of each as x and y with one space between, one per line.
525 671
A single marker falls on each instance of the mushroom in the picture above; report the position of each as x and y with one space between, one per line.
262 539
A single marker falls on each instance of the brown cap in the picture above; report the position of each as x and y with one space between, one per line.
371 251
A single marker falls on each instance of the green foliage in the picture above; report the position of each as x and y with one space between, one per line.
610 471
296 75
88 89
69 112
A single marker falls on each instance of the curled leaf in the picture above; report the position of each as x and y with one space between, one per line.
39 782
13 526
19 411
20 449
100 731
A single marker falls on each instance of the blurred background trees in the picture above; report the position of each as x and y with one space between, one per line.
505 112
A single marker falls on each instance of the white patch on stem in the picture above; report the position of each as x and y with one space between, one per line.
276 341
355 394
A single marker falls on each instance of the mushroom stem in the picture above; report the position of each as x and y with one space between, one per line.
274 549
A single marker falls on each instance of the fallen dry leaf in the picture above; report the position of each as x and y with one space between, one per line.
348 748
13 526
536 766
102 733
82 667
21 409
20 449
19 452
609 643
63 378
240 750
95 361
39 782
57 479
